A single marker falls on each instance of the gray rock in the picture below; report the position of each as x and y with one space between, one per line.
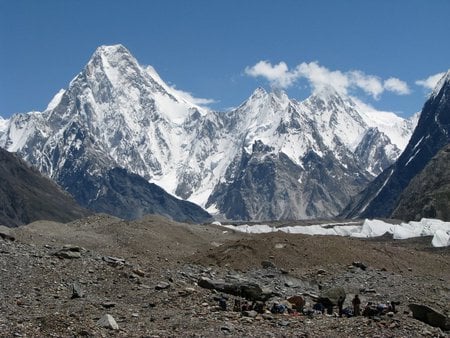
241 288
250 313
284 323
162 286
360 265
268 265
77 292
108 305
69 251
68 254
6 236
108 321
113 260
227 328
430 316
329 297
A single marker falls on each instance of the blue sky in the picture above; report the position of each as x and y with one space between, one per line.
222 50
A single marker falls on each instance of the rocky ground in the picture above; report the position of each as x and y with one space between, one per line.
59 280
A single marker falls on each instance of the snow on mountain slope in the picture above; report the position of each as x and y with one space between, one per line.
3 125
298 159
398 129
117 113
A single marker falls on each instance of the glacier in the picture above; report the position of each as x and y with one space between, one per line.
369 229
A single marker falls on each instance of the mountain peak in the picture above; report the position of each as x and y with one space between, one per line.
327 92
259 92
107 50
328 98
113 56
279 94
444 81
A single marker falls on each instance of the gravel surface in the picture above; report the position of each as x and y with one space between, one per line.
59 280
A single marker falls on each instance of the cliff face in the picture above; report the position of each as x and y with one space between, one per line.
27 196
432 133
428 194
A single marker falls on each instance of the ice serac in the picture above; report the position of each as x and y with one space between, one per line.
432 133
271 157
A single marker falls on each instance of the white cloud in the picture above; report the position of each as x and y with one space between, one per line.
278 75
281 76
178 92
397 86
190 98
320 77
371 84
431 81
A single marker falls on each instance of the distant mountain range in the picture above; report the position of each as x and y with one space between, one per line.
270 158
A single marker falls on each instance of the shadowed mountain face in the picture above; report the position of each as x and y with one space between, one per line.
130 196
27 196
432 133
428 194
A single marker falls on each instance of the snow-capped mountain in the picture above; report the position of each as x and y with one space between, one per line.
432 133
298 159
303 158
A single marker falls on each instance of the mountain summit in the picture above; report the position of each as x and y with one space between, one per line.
271 157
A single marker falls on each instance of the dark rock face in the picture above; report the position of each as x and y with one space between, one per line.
372 149
331 296
130 196
266 186
249 290
430 316
432 133
428 194
27 196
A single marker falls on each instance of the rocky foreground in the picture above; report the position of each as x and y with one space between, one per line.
151 277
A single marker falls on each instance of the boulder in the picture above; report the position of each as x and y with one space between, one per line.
268 265
113 260
162 286
241 288
69 251
7 237
250 313
329 297
430 316
360 265
77 292
108 321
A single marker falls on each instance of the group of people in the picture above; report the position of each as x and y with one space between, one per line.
283 307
